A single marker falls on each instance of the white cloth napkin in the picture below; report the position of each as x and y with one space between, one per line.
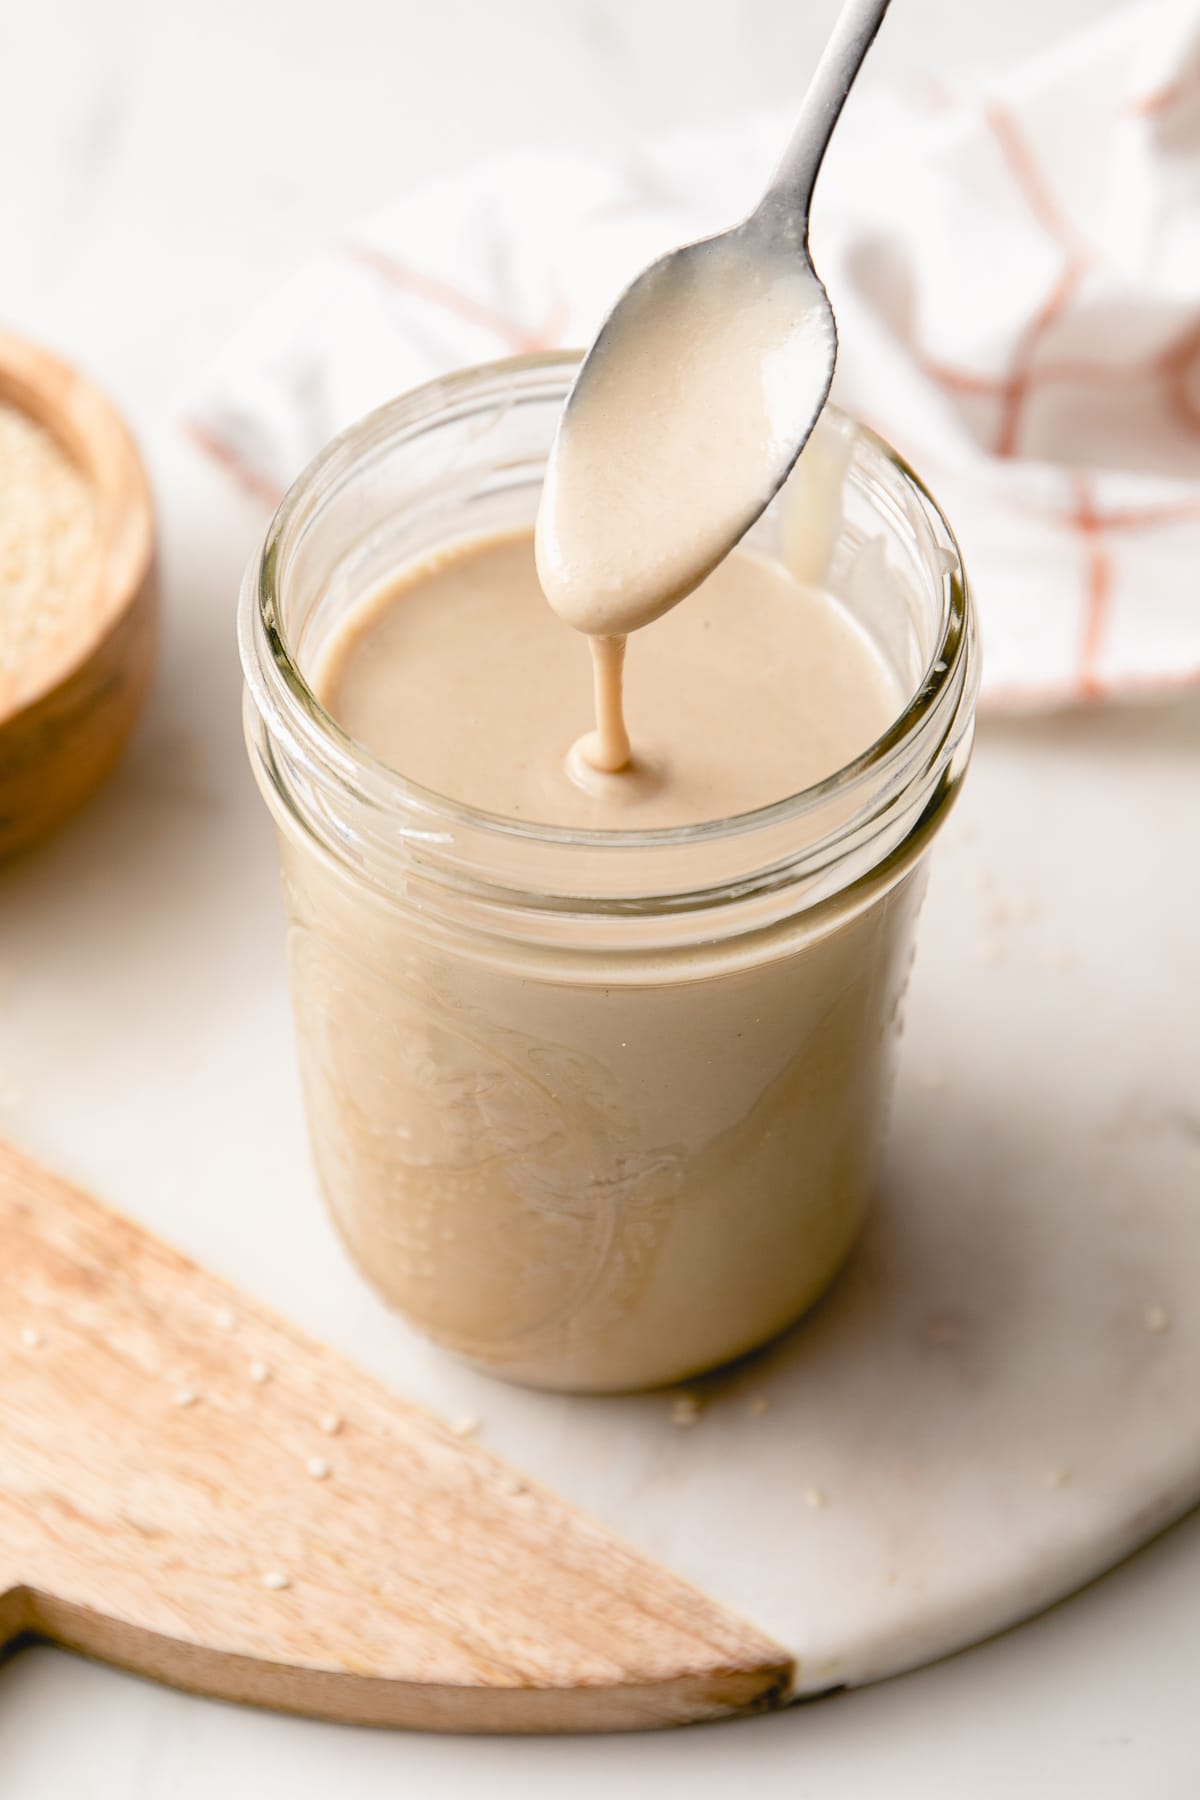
1016 274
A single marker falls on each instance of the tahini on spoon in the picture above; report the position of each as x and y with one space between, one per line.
692 405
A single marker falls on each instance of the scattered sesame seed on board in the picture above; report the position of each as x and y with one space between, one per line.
275 1578
1058 1478
185 1397
1156 1318
226 1318
685 1410
814 1497
758 1405
259 1372
318 1468
330 1423
31 1337
466 1425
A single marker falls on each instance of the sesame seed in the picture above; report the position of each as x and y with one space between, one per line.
48 531
1156 1318
31 1337
274 1578
226 1318
814 1497
259 1372
330 1423
685 1410
512 1485
466 1425
185 1397
1058 1478
758 1405
317 1467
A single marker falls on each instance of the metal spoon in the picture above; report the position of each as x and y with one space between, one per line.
699 392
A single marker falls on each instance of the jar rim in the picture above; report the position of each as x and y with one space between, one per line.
283 695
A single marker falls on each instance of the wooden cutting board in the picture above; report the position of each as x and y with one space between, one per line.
192 1489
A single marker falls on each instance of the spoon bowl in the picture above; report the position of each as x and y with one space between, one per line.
688 412
699 393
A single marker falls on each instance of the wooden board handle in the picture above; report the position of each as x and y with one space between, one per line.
191 1488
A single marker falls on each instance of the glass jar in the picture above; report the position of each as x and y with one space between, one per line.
596 1110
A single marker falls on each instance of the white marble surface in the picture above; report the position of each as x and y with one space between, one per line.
189 156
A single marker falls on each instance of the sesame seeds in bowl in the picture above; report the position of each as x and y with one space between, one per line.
78 610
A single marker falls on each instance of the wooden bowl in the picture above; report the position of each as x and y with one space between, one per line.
68 714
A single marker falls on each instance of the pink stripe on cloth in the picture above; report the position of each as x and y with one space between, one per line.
225 451
436 292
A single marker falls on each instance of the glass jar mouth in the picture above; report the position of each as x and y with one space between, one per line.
283 696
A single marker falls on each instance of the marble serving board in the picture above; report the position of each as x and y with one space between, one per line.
997 1401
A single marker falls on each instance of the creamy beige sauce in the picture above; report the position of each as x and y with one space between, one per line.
689 408
580 1173
607 749
680 427
460 677
590 1171
599 1170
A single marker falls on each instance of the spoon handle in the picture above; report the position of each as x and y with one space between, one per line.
790 192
